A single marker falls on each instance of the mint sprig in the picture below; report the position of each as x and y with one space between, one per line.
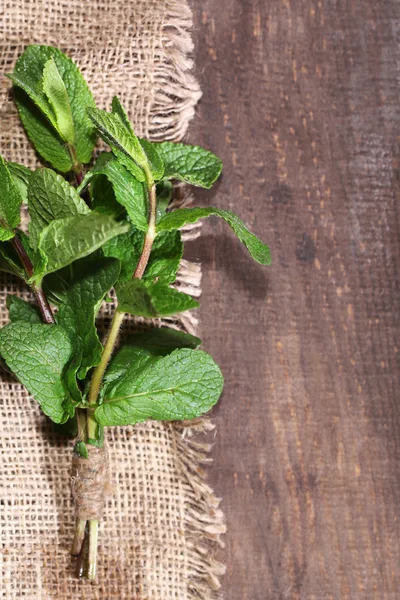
113 234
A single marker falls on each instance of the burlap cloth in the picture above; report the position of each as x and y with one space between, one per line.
162 524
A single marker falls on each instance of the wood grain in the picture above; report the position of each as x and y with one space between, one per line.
300 99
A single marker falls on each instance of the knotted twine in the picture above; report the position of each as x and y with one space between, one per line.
90 483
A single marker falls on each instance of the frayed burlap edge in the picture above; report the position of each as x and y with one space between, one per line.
205 522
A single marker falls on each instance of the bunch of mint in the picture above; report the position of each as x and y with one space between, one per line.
111 230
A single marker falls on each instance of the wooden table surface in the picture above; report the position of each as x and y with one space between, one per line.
300 99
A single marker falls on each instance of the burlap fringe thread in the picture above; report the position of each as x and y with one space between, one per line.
205 523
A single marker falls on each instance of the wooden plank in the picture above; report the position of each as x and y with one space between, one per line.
301 101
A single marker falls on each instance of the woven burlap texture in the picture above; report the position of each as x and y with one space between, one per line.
162 524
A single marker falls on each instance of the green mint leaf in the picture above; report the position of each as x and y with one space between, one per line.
20 175
127 247
153 158
164 259
66 240
21 310
163 340
36 258
50 197
178 218
118 109
128 163
182 385
57 95
37 355
124 144
93 278
143 349
147 299
38 115
129 359
164 191
34 89
129 192
42 134
10 203
102 197
9 261
189 163
155 163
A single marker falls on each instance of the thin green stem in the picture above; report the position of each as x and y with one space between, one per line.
108 348
93 429
77 166
119 316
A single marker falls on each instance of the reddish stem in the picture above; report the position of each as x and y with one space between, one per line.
42 301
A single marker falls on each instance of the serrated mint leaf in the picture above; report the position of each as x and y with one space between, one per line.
20 175
129 164
153 158
42 134
21 310
37 260
9 260
10 203
37 354
154 161
189 163
143 348
129 360
129 192
127 247
102 197
122 142
50 197
164 191
163 340
183 385
147 299
37 113
57 96
178 218
72 238
118 109
93 278
164 259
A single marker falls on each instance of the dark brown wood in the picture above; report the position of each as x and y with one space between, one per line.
300 99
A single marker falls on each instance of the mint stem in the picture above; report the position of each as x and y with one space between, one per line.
76 167
150 235
78 177
93 543
42 301
81 539
119 316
